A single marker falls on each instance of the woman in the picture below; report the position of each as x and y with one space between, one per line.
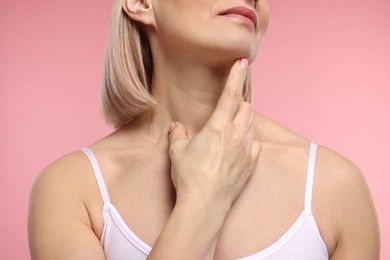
222 181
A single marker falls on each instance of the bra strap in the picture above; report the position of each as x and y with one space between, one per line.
310 175
98 175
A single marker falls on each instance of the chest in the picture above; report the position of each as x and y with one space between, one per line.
144 196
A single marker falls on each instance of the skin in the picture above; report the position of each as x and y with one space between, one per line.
167 206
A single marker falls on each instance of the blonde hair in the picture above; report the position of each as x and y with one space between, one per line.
128 71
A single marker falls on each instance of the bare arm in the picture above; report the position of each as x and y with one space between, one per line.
58 221
355 220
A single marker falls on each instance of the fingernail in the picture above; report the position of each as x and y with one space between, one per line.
244 63
172 126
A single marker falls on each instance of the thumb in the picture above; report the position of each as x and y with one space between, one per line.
177 132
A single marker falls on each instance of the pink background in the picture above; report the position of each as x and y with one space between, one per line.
323 71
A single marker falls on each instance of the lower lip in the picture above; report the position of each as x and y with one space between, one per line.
242 18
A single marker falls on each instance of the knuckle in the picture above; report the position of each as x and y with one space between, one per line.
234 93
258 144
246 105
217 129
172 150
256 150
238 140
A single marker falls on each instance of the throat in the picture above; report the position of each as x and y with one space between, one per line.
187 94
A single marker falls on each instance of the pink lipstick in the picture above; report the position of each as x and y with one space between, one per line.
240 12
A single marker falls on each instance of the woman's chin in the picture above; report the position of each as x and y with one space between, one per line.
228 54
236 50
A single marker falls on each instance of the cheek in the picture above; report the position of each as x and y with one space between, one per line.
174 16
182 23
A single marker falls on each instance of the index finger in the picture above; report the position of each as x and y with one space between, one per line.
231 95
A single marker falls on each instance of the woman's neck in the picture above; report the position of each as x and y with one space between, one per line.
187 93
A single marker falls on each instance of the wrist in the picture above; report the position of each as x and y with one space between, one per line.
201 207
191 230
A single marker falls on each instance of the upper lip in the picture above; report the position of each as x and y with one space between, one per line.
241 10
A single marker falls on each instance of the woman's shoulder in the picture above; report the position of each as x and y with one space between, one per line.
65 178
65 168
274 134
335 175
342 200
58 212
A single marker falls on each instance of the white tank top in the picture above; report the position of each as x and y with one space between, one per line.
302 241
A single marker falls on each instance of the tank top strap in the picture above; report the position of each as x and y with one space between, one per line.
98 175
310 175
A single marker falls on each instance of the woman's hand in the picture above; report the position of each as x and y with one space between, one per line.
214 166
209 171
